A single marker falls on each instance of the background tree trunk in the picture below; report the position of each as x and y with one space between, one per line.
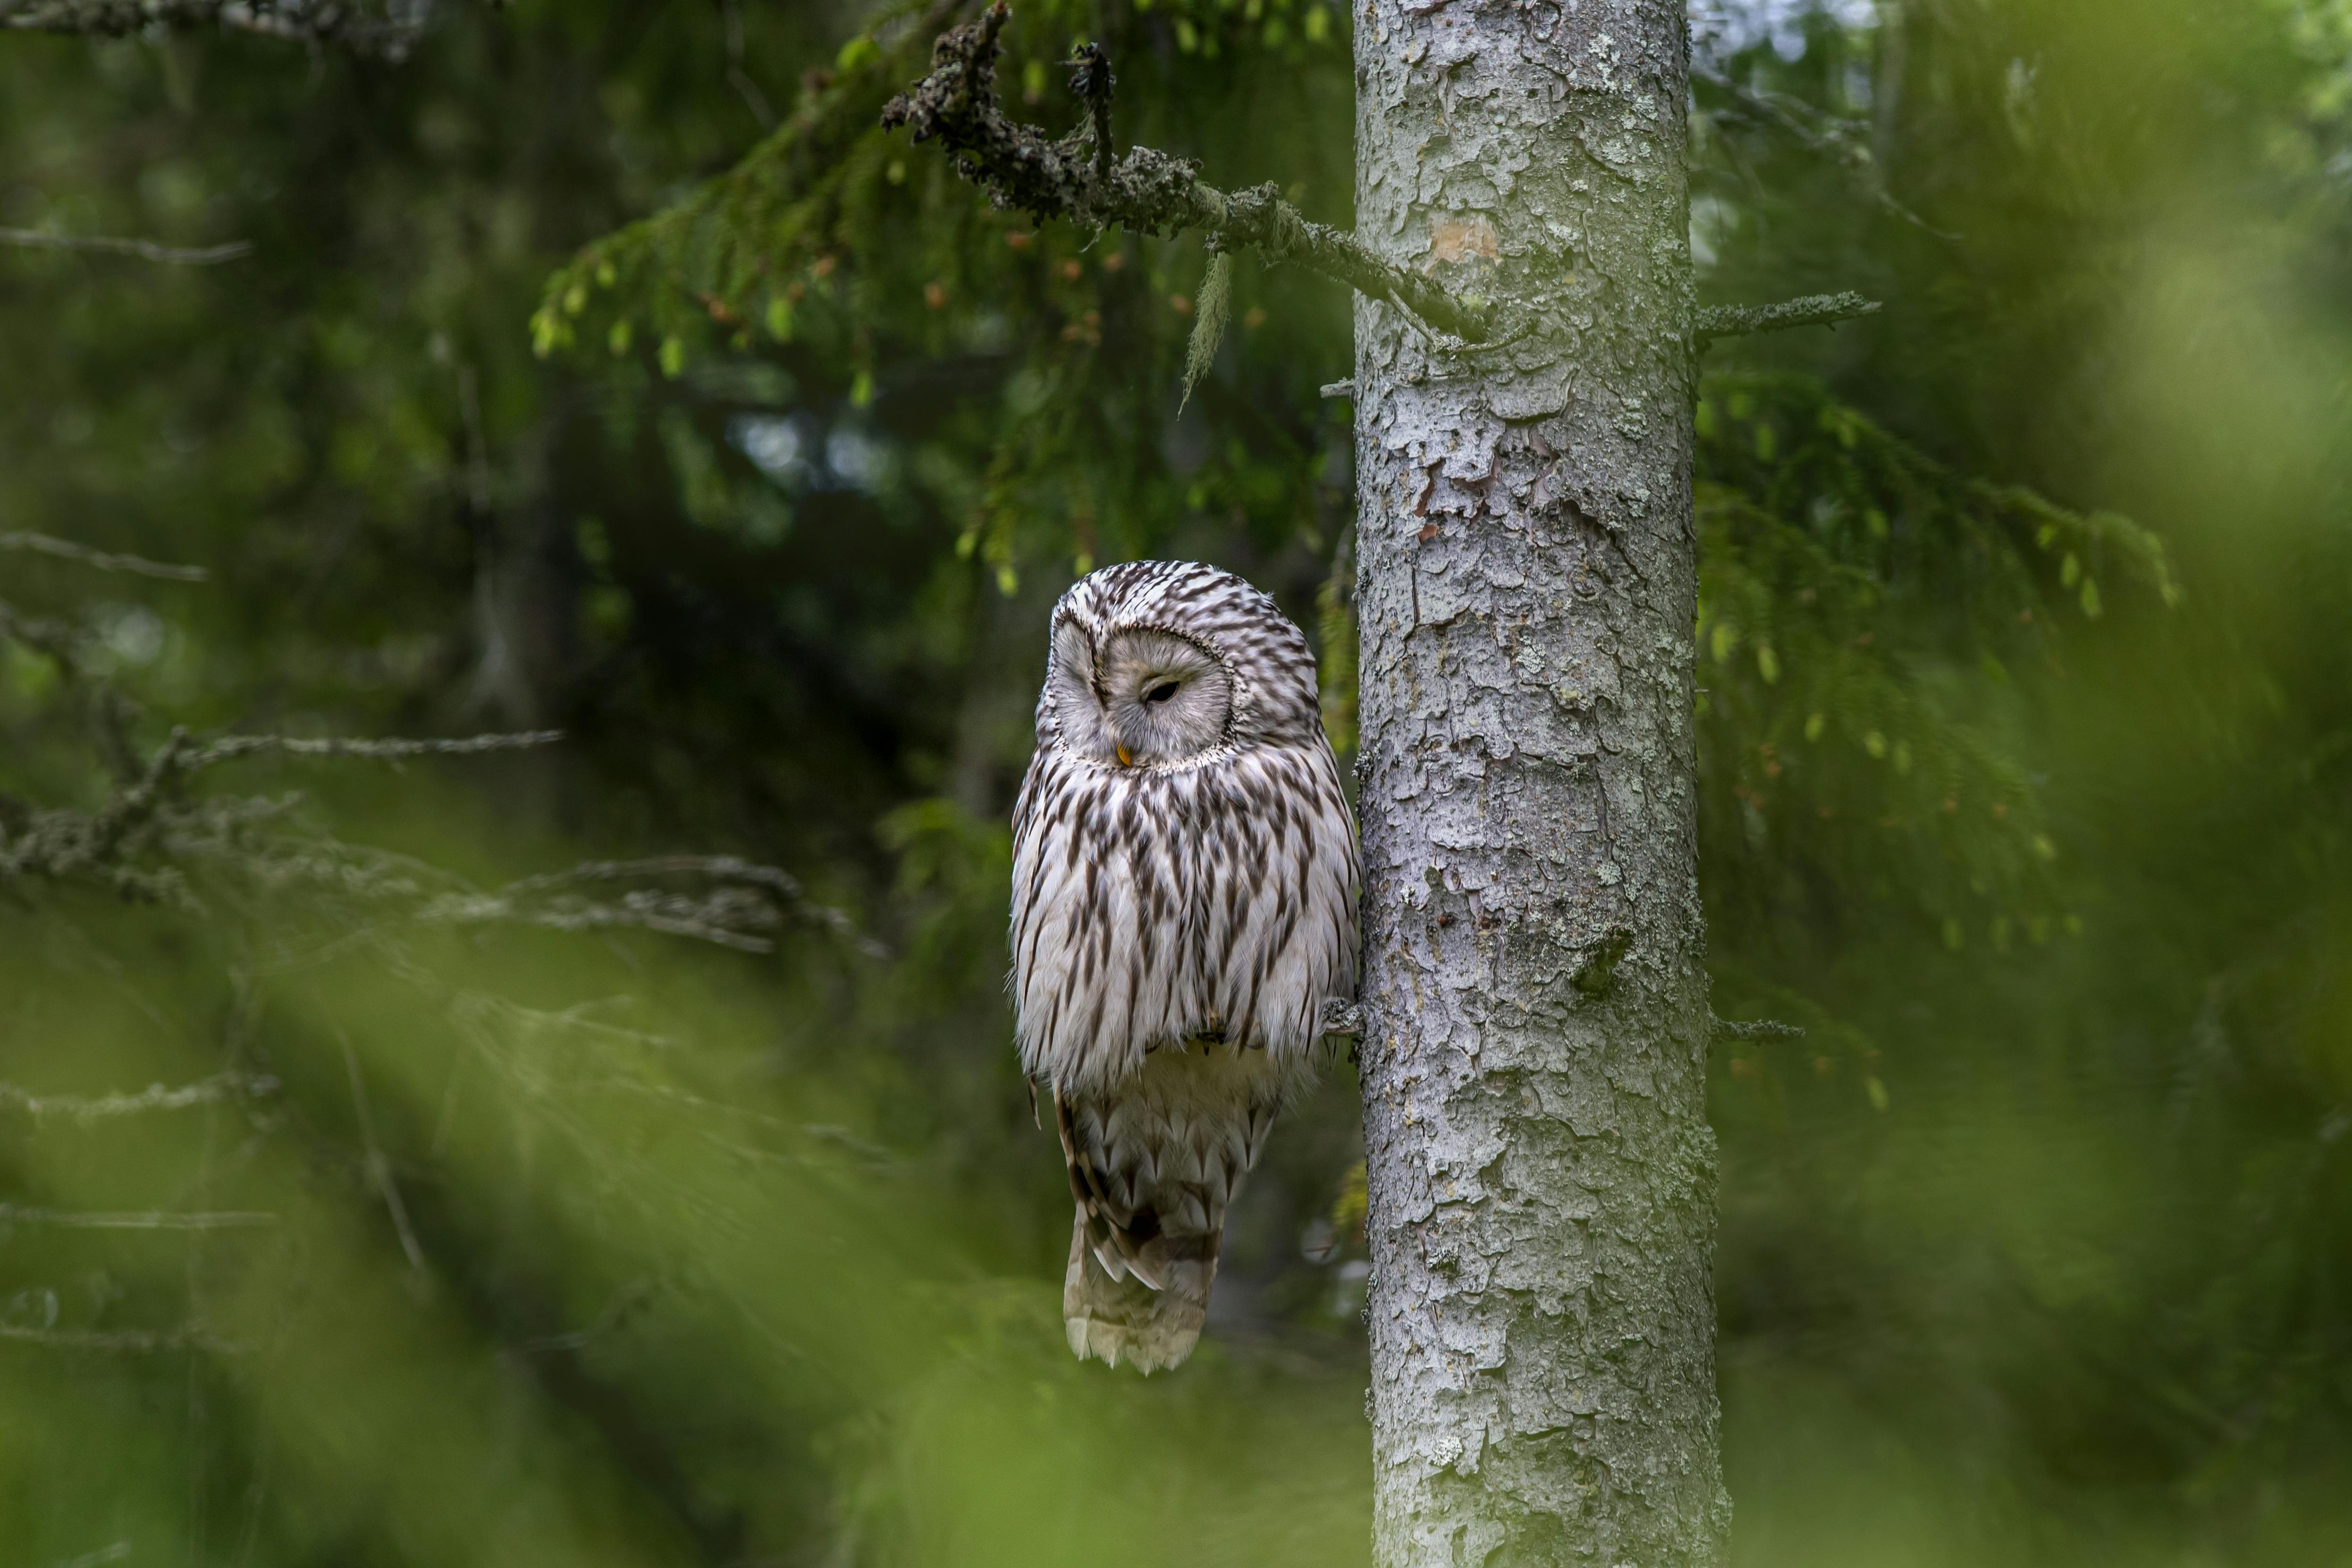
1540 1168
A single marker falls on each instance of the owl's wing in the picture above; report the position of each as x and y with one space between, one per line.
1097 907
1276 928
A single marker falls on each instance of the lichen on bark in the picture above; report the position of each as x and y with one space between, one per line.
1540 1169
1147 191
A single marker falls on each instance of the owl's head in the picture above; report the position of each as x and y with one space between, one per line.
1140 697
1157 663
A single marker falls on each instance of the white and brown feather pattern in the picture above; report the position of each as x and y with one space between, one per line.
1185 881
1150 908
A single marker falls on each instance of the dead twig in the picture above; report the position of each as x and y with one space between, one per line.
156 1097
133 1342
379 1168
230 747
98 1219
100 560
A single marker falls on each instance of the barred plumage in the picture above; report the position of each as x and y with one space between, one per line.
1184 889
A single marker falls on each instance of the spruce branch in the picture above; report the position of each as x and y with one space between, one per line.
702 257
1756 1029
1812 310
370 895
781 885
1148 190
726 917
150 805
388 36
229 747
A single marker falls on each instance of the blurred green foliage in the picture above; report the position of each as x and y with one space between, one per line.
606 368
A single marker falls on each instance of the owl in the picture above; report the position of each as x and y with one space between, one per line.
1184 888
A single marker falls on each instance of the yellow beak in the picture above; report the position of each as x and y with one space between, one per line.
1126 757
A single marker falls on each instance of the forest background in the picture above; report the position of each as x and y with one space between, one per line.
610 1149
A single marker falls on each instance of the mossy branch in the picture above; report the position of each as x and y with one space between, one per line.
1148 192
150 834
336 22
1812 310
1753 1029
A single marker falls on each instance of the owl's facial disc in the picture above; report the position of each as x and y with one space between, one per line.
1162 698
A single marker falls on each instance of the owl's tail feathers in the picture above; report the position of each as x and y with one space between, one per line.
1123 1316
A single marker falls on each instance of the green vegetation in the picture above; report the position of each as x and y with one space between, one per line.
608 370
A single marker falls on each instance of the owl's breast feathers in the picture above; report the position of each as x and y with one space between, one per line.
1151 906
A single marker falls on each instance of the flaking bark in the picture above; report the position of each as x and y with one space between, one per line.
1534 1010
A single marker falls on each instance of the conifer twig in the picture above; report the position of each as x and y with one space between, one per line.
156 1097
782 885
1147 191
229 747
99 560
1812 310
109 245
94 1219
132 1342
1755 1029
337 22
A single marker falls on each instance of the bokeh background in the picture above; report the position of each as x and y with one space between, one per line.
531 1179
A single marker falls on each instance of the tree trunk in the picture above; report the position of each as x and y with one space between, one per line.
1541 1172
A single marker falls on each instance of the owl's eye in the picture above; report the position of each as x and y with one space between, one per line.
1161 692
